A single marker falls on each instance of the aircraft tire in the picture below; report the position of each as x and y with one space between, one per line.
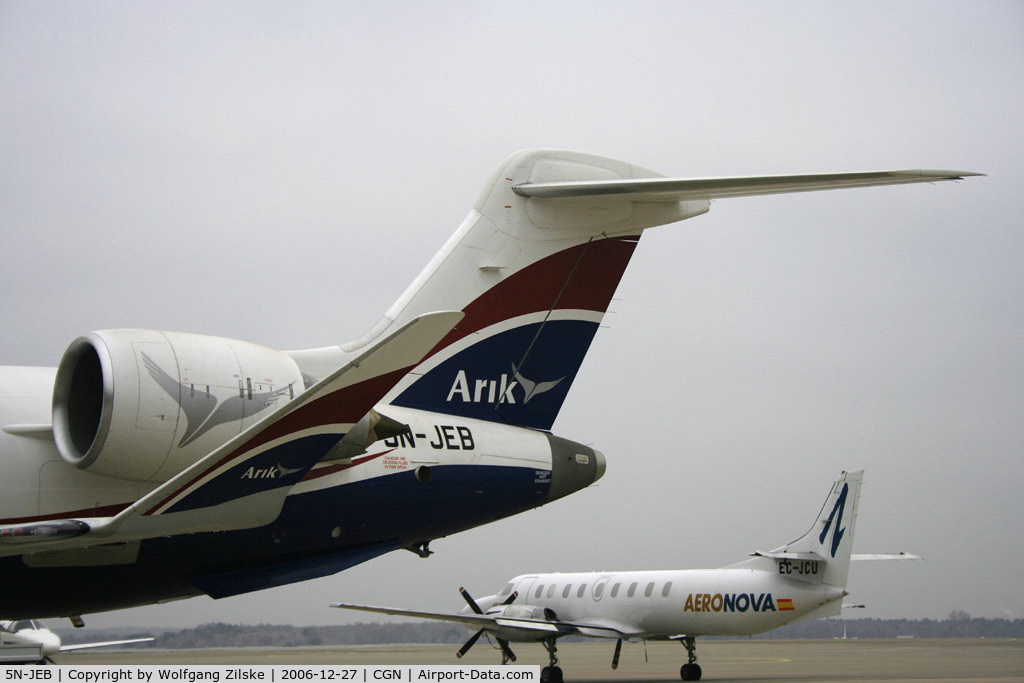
690 672
551 674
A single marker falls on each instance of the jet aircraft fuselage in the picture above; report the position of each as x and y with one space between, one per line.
447 474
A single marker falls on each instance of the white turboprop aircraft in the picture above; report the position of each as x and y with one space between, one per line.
802 580
29 641
151 466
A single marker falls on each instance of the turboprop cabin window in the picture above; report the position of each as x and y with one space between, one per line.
551 591
582 589
565 591
632 589
615 590
598 591
649 590
666 589
540 589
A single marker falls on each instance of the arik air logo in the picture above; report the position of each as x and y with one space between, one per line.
276 472
499 390
837 516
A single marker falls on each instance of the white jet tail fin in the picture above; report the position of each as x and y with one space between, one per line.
534 278
534 267
830 538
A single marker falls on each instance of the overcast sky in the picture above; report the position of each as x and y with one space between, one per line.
279 172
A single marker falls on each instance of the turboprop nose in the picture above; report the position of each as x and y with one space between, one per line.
50 642
573 466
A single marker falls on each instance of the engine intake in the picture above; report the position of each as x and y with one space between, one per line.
83 402
142 405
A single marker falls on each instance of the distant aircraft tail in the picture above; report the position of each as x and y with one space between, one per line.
533 268
829 541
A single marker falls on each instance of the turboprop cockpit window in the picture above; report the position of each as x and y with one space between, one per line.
23 624
506 590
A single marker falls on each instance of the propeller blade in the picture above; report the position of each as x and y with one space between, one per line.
506 649
510 599
469 598
615 657
469 643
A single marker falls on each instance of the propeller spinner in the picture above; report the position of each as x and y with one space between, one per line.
506 651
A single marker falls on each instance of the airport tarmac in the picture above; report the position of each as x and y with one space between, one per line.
994 659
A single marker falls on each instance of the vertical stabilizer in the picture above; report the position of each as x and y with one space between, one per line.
534 278
831 535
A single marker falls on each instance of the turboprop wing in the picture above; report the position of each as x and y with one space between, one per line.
244 483
510 622
496 620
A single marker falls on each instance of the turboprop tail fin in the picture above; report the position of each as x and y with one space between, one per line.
829 541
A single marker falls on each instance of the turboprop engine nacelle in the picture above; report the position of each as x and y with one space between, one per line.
514 611
143 405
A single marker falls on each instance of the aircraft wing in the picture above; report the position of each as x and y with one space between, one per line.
476 620
244 483
496 622
690 189
106 643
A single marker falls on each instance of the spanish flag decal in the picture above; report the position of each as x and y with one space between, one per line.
785 604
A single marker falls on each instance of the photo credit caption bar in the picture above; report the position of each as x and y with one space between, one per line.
64 673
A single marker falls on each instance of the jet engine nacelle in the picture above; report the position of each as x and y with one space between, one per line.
143 405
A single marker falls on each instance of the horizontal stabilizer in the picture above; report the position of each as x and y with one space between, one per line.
244 483
691 189
883 556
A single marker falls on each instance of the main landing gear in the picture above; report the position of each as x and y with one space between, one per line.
691 670
552 673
